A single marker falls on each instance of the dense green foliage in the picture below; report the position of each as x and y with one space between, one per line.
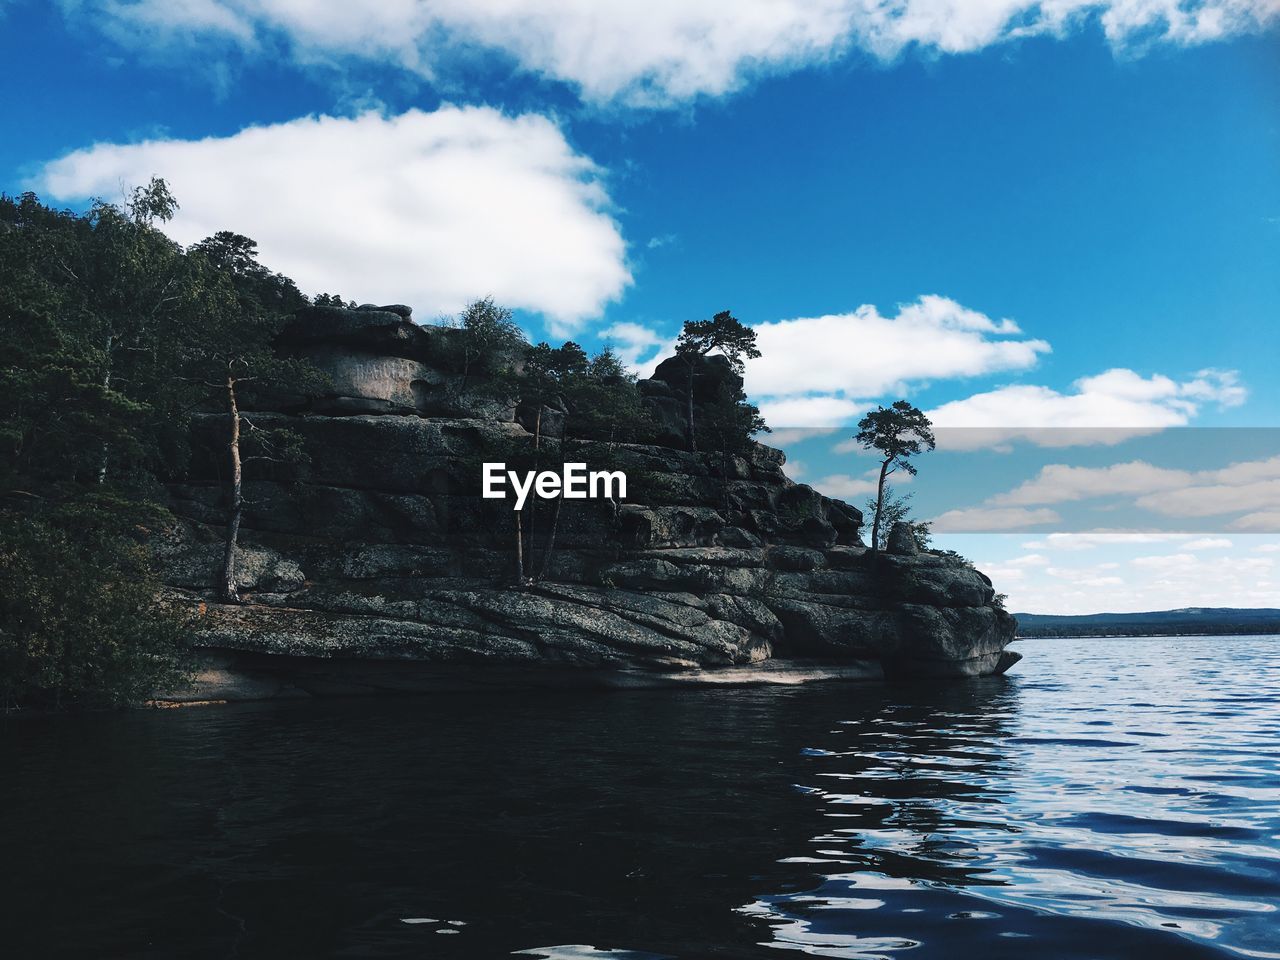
79 622
114 335
578 409
487 339
735 419
896 507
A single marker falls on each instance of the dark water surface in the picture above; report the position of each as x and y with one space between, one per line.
1111 798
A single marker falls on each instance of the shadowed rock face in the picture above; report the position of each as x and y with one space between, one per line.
376 565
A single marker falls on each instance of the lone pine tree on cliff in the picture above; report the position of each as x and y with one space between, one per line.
723 332
898 433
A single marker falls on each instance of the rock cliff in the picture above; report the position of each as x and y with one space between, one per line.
374 566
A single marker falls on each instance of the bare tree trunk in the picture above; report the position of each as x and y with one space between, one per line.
875 527
519 549
549 547
236 505
693 439
106 385
551 539
537 463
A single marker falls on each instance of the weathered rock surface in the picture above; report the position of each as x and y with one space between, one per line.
376 565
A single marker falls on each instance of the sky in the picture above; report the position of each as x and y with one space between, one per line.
1053 226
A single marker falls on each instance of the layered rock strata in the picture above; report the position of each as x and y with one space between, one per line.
375 566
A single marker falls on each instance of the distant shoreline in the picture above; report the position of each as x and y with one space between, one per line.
1184 622
1143 636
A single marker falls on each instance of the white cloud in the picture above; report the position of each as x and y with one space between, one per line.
1123 576
1091 539
1184 582
1200 499
637 346
1252 485
1084 577
1165 561
431 209
865 354
1060 483
847 486
793 435
1030 560
992 519
797 413
1104 409
1208 543
655 52
844 486
1250 488
1016 569
1260 521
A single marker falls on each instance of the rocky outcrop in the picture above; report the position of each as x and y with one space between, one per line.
375 565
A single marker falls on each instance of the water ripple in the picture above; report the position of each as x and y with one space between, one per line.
1111 799
1165 826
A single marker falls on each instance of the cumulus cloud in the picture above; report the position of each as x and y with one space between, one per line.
866 354
1208 543
1214 492
1086 577
844 486
658 52
801 412
1088 540
1030 560
1106 409
1165 561
432 209
638 346
1133 573
1060 483
993 519
1250 486
1015 569
1156 583
847 486
793 435
1259 521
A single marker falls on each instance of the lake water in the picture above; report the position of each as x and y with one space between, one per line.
1110 798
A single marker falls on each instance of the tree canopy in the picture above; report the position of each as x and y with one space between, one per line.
113 335
736 342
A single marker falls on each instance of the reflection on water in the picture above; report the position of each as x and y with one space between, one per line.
1111 799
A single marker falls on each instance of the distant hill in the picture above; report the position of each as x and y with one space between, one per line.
1157 623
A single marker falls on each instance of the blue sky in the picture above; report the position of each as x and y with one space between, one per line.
1015 217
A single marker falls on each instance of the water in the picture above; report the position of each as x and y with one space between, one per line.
1111 798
